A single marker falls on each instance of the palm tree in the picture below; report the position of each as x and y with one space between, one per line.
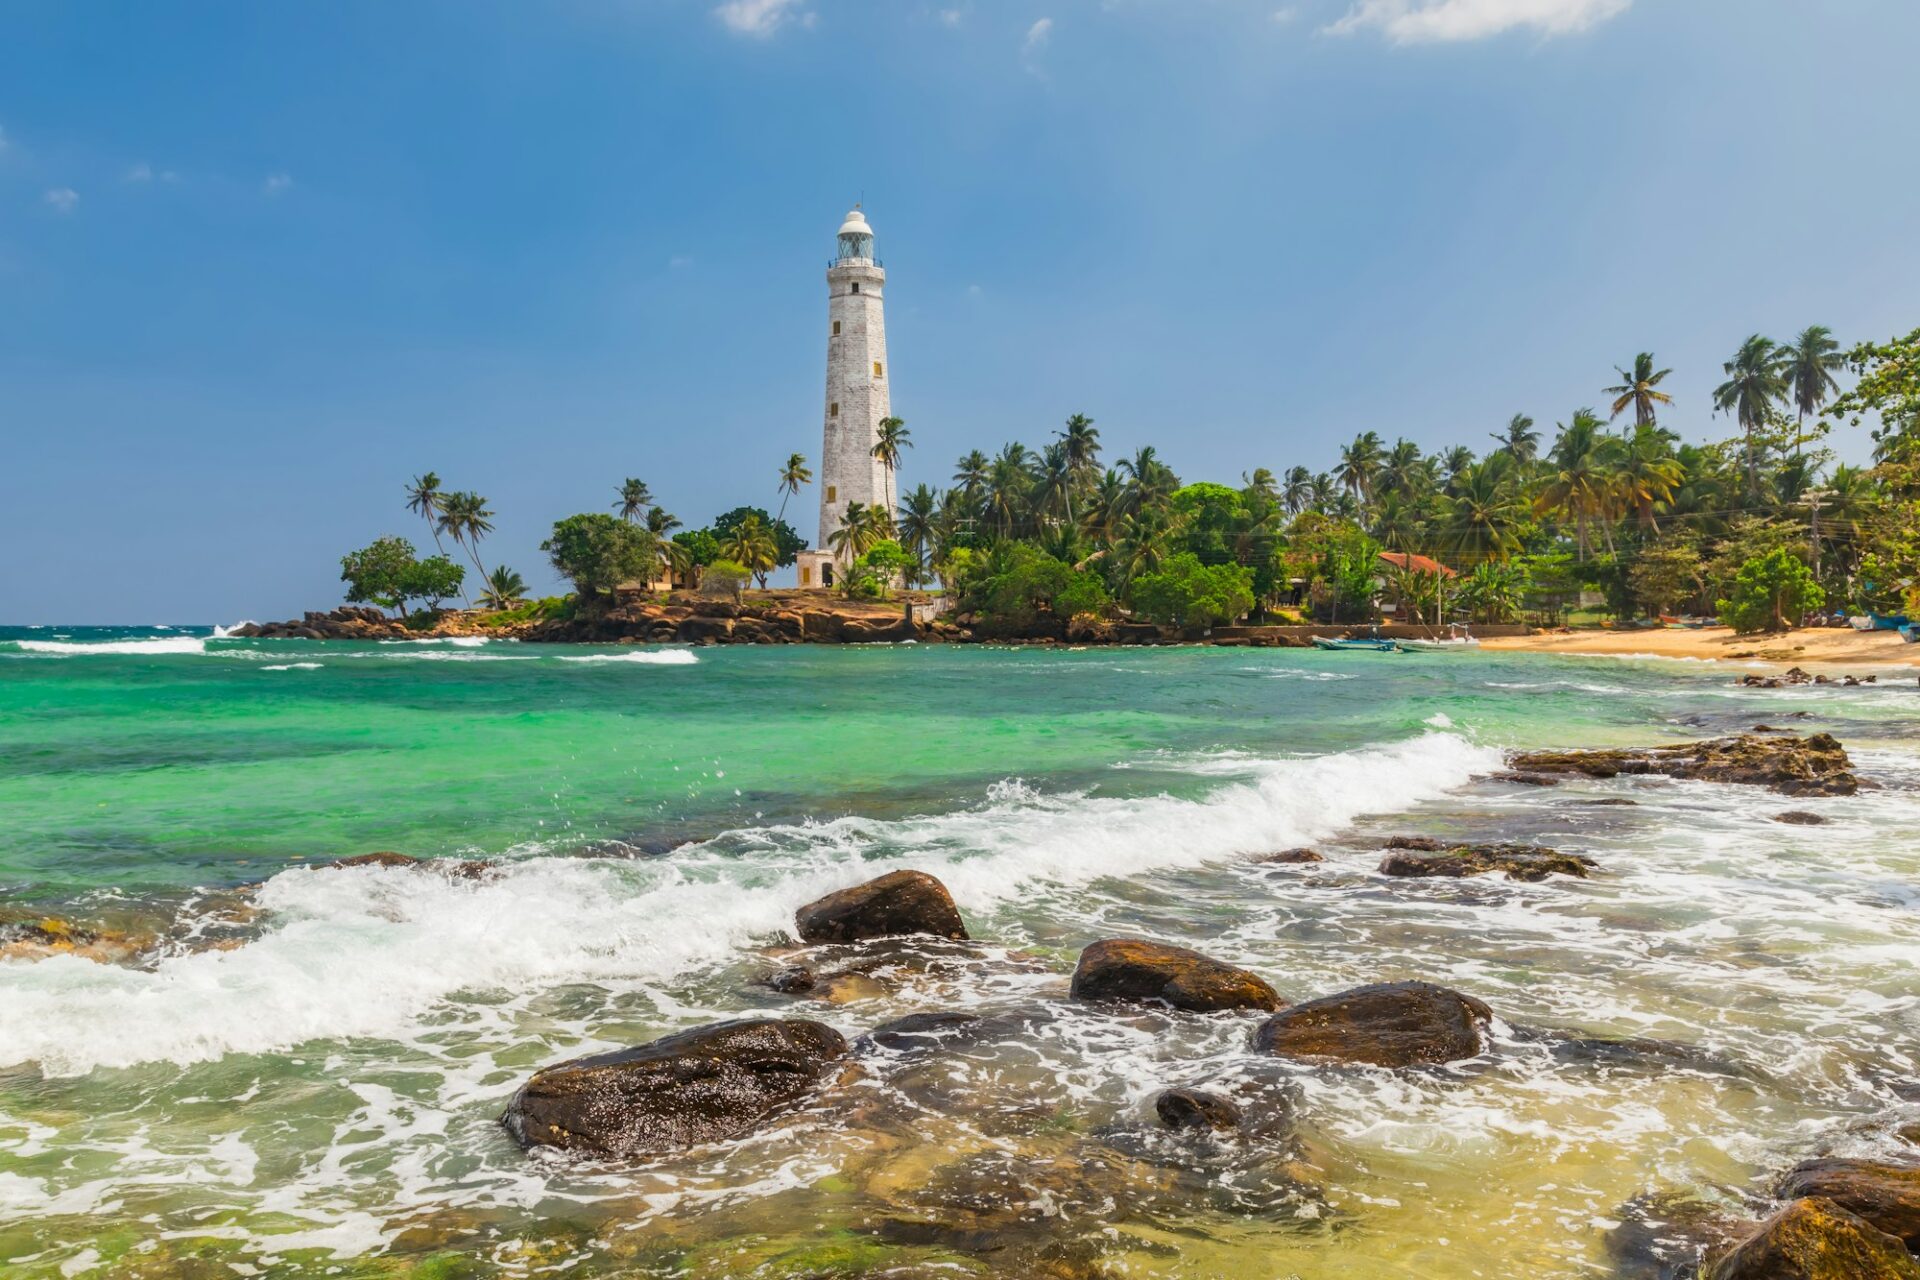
1809 361
1645 473
1456 459
1577 486
1106 509
792 476
1082 441
1142 545
1520 439
1484 517
1149 480
424 499
889 439
464 517
1639 389
751 544
1755 379
1053 482
971 474
675 560
1492 592
861 526
1401 470
504 589
919 523
1007 483
1396 525
1321 493
1262 484
661 522
1298 492
634 498
1359 463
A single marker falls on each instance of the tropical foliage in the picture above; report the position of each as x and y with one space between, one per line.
388 574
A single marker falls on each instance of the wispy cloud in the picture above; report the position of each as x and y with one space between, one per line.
951 17
62 199
277 184
1037 36
761 18
1422 21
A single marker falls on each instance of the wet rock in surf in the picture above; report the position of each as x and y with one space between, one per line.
1392 1024
900 902
1196 1109
462 869
794 980
1529 862
706 1085
1288 857
40 937
1426 843
1886 1195
1799 818
1663 1236
1128 969
382 858
1814 1239
925 1032
1812 766
1644 1052
1520 778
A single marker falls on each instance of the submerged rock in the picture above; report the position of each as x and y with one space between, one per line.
1811 766
1814 1239
1196 1109
900 902
1519 861
382 858
1887 1195
1611 800
1800 818
706 1085
40 937
1393 1024
1425 843
1287 857
1523 779
1663 1236
1128 969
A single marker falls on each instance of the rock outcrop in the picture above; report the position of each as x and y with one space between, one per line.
1394 1024
350 622
1196 1109
1886 1195
1799 818
1811 766
1519 861
706 1085
1287 857
900 902
1126 969
1814 1239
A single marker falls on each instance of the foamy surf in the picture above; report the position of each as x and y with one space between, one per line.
370 952
642 657
156 646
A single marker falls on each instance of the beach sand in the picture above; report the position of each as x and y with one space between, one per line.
1827 647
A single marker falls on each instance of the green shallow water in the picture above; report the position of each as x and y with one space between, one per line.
297 1072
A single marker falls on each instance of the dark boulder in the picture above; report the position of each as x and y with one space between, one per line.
794 980
698 630
705 1085
1425 843
1287 857
1128 969
1812 766
1799 818
1196 1109
1887 1195
1393 1024
1620 801
1519 861
1814 1240
900 902
1519 778
1663 1236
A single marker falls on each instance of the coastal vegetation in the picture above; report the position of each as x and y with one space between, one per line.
1610 513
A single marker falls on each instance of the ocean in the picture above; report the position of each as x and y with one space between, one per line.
278 1068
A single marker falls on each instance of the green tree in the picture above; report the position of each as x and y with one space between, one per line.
598 553
634 499
1668 577
1755 381
1809 362
726 578
889 441
504 589
752 544
1187 593
1493 592
386 573
465 517
1519 440
423 499
1769 592
792 476
1639 390
788 544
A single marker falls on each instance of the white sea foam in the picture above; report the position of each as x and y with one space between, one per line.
369 952
293 666
158 645
223 633
644 657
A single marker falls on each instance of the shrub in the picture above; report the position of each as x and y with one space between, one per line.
1017 583
725 578
1769 592
597 552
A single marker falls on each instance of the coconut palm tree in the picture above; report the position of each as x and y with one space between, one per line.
504 589
465 517
1298 492
1645 473
971 475
424 499
1578 485
890 438
1519 439
1149 480
1082 441
751 544
1008 481
634 499
1484 517
1106 508
1402 469
1053 483
792 476
1360 464
1492 592
661 522
1322 493
1262 484
675 560
1396 524
1755 380
1809 361
1641 389
861 526
919 523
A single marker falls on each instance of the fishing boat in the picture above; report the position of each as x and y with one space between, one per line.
1457 639
1910 633
1381 646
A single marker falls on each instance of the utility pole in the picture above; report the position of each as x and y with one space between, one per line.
1814 497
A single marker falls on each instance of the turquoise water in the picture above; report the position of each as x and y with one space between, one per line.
261 1065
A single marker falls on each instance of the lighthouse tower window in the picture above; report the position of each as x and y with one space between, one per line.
856 286
877 370
836 328
833 410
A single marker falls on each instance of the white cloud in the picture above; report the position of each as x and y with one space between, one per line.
1418 21
761 17
1037 36
951 17
62 199
142 172
277 183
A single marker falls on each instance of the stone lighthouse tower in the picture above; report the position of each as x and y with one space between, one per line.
856 398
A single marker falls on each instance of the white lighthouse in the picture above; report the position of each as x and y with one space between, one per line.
856 398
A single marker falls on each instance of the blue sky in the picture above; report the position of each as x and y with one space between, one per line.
260 263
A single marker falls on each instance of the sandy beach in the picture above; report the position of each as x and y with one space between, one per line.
1828 647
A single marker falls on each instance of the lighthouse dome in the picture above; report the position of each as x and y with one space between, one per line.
856 224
